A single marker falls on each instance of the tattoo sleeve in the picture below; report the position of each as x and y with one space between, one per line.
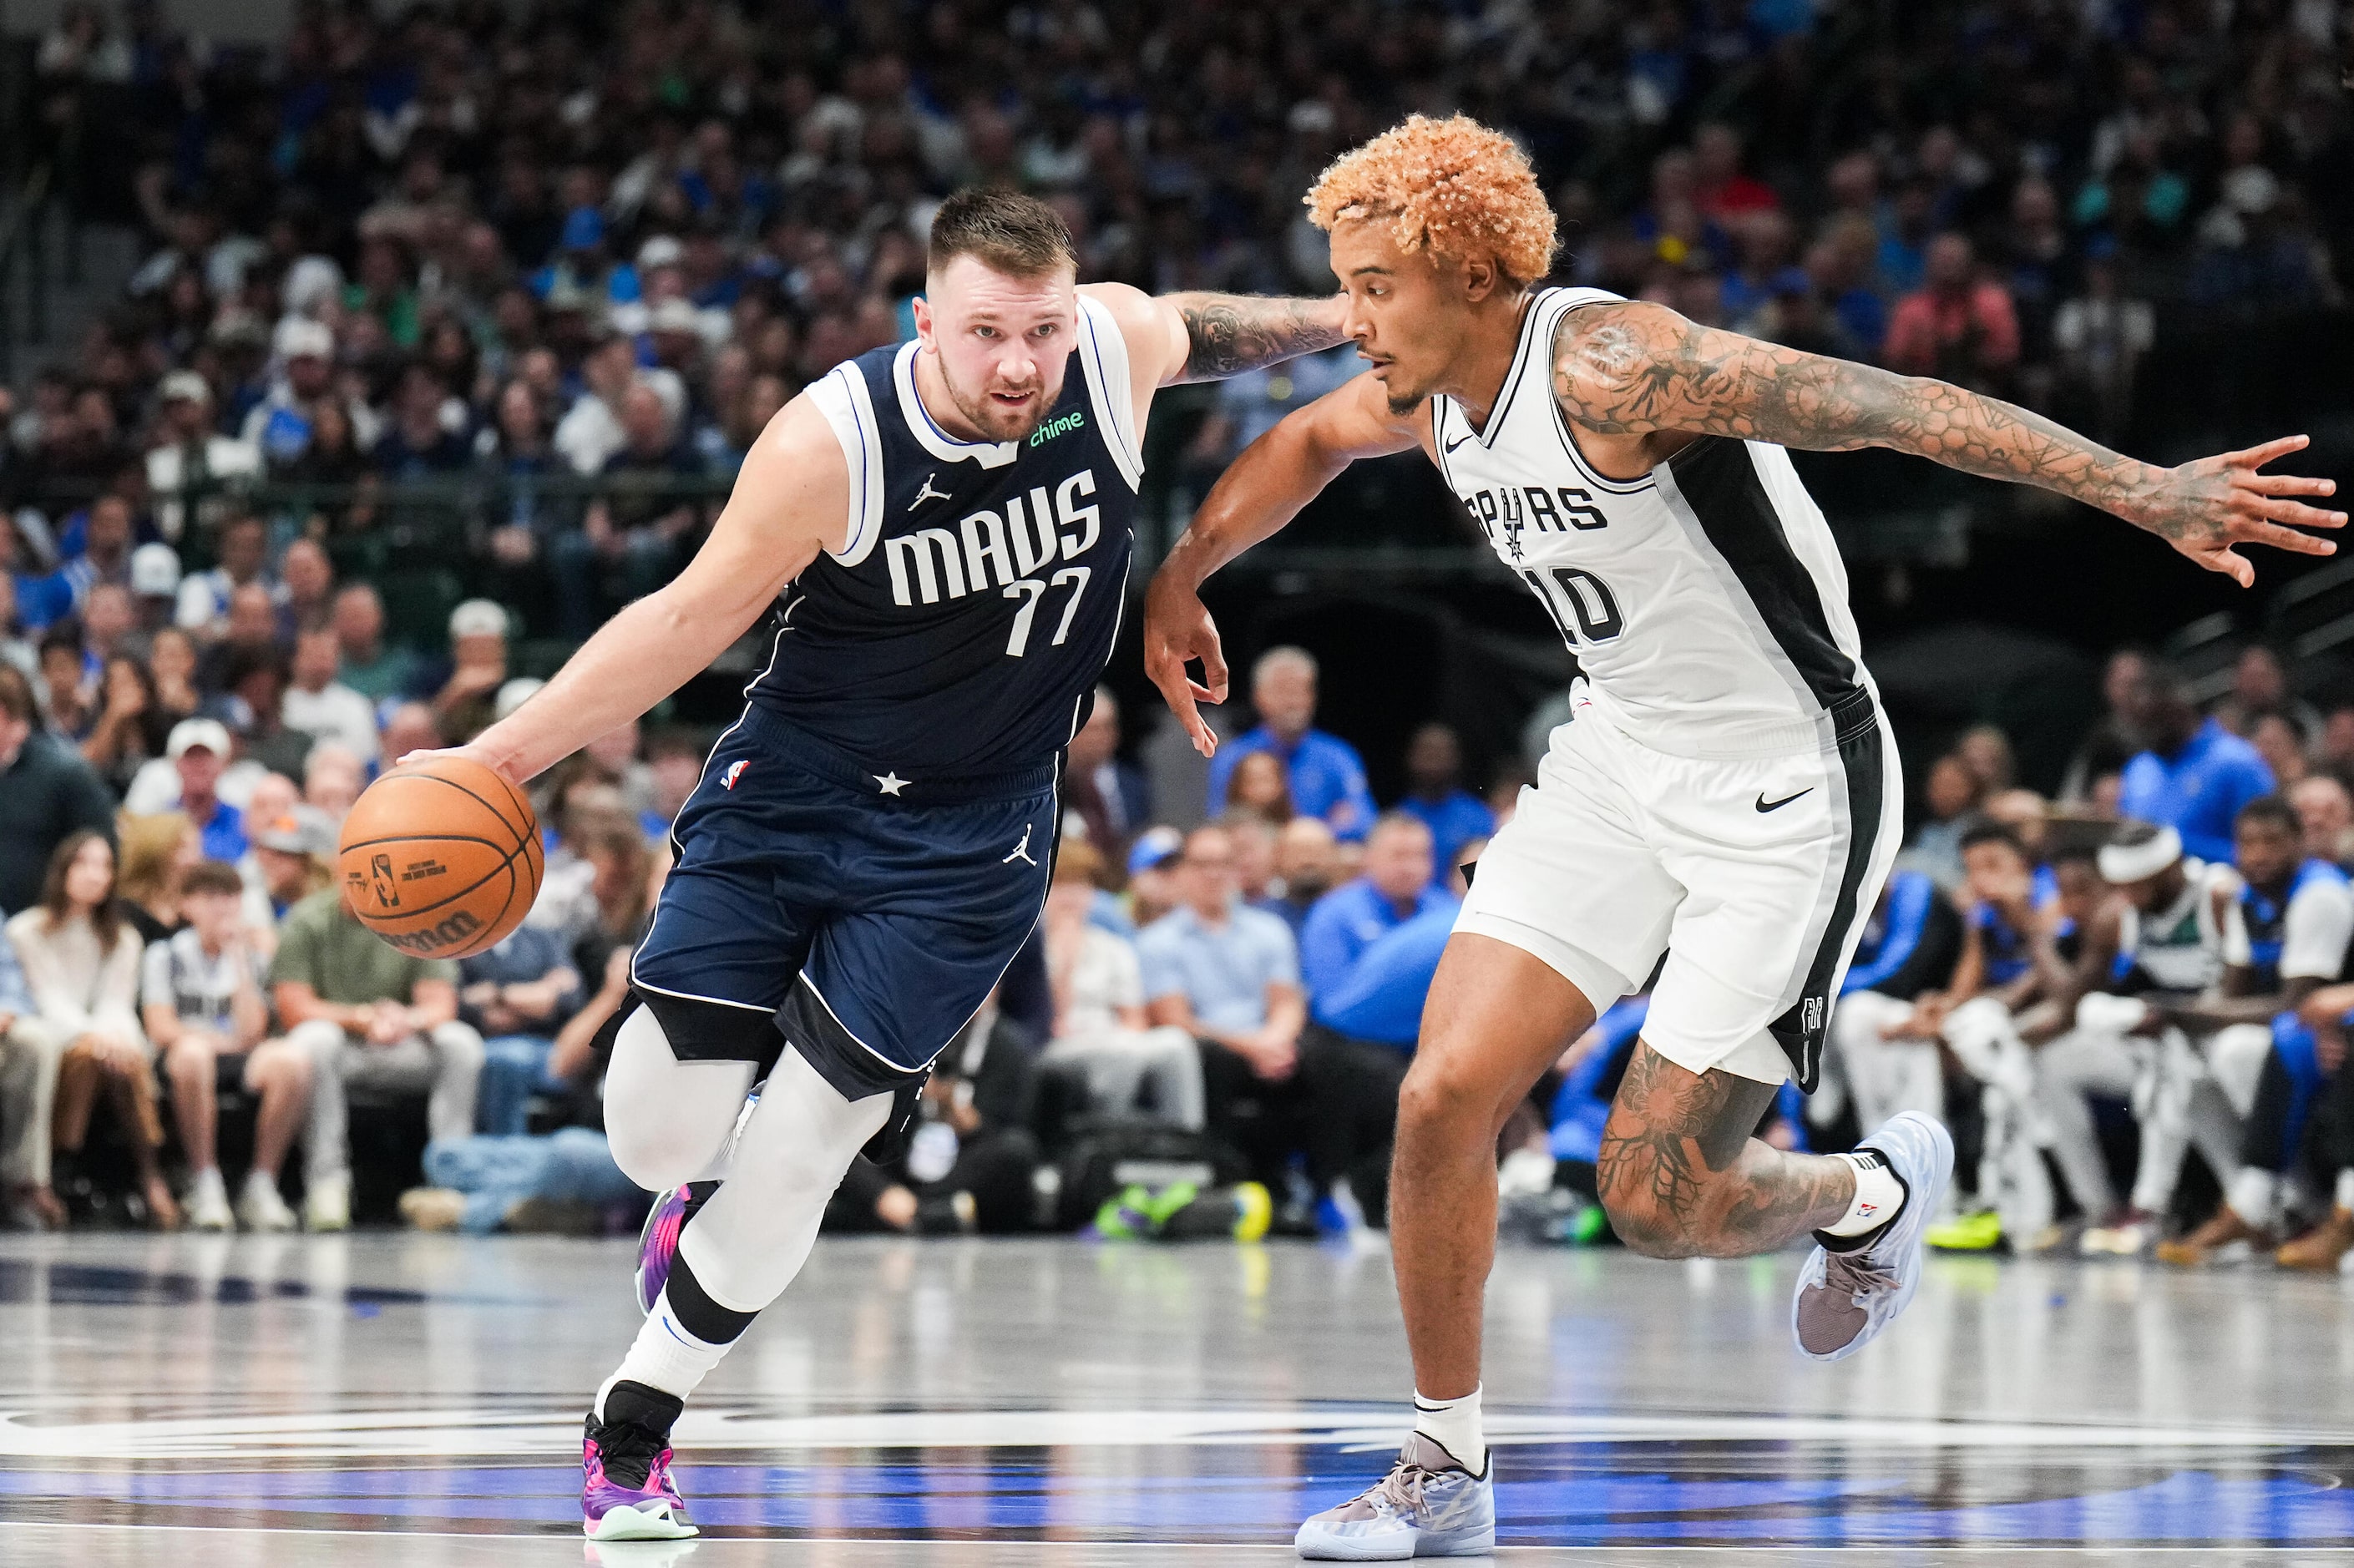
1634 367
1229 334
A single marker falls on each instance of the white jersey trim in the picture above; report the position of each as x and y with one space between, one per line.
1110 387
927 429
841 395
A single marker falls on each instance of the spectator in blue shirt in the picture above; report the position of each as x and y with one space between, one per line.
1394 887
2195 775
1229 975
199 750
1327 777
1380 997
517 995
1434 768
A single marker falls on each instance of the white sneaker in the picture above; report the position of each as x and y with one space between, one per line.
328 1205
208 1207
1845 1299
1427 1506
259 1205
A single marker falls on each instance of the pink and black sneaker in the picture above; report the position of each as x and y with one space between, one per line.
626 1491
658 1242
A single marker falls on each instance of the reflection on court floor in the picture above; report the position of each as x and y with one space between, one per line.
1051 1392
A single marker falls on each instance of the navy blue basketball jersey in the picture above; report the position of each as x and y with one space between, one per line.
963 625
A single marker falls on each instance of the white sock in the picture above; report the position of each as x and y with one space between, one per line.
664 1356
2345 1189
2254 1195
1454 1426
1879 1195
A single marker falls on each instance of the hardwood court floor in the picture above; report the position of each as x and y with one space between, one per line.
395 1402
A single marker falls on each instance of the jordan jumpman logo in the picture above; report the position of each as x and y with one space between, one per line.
927 494
1021 851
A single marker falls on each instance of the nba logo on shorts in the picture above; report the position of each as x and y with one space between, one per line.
735 771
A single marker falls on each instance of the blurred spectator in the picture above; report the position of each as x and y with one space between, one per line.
190 457
462 707
1984 750
1108 795
1229 976
323 708
28 1085
80 960
254 688
154 582
1099 1021
1395 887
200 996
1152 874
1307 864
2325 811
204 601
1434 794
367 1014
333 777
1260 786
2099 339
377 670
517 995
1251 404
156 852
674 768
309 579
2195 775
1254 841
50 793
130 725
1951 793
1959 326
102 552
2260 686
292 852
632 536
1326 776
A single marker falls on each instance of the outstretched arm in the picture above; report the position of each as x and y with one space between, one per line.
1634 367
1174 338
791 500
1259 492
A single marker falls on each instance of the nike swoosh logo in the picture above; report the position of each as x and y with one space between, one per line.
1456 443
1765 805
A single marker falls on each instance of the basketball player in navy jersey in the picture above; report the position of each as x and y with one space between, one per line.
946 530
1726 792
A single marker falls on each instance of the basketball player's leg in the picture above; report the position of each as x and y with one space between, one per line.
1496 1017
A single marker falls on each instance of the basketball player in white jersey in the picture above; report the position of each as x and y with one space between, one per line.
1726 791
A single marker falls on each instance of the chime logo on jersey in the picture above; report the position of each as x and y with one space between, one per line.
988 548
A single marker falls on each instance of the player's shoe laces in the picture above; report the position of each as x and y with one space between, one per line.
1846 1297
658 1242
626 1491
1427 1506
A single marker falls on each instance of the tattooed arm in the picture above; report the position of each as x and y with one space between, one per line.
1633 368
1174 338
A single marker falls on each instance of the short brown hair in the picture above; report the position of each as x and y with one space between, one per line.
1003 230
212 876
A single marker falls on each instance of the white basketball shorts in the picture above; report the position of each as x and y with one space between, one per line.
1755 877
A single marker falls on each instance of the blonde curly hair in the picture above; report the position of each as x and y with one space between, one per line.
1452 187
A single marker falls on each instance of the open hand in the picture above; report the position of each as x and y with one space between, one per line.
2208 508
1177 628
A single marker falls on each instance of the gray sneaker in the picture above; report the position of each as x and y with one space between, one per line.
1845 1299
1427 1506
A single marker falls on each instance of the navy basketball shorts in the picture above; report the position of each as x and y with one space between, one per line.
859 916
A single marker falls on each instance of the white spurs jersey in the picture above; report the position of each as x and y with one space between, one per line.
1705 602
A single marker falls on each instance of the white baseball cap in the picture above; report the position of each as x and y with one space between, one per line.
155 570
300 337
191 733
478 618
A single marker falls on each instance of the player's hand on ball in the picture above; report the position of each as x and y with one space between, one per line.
466 753
1178 628
2208 508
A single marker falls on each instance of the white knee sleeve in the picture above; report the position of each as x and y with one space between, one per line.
667 1120
755 1233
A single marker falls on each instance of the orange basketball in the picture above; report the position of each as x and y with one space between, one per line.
443 859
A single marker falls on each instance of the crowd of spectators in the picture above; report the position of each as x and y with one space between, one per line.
458 263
